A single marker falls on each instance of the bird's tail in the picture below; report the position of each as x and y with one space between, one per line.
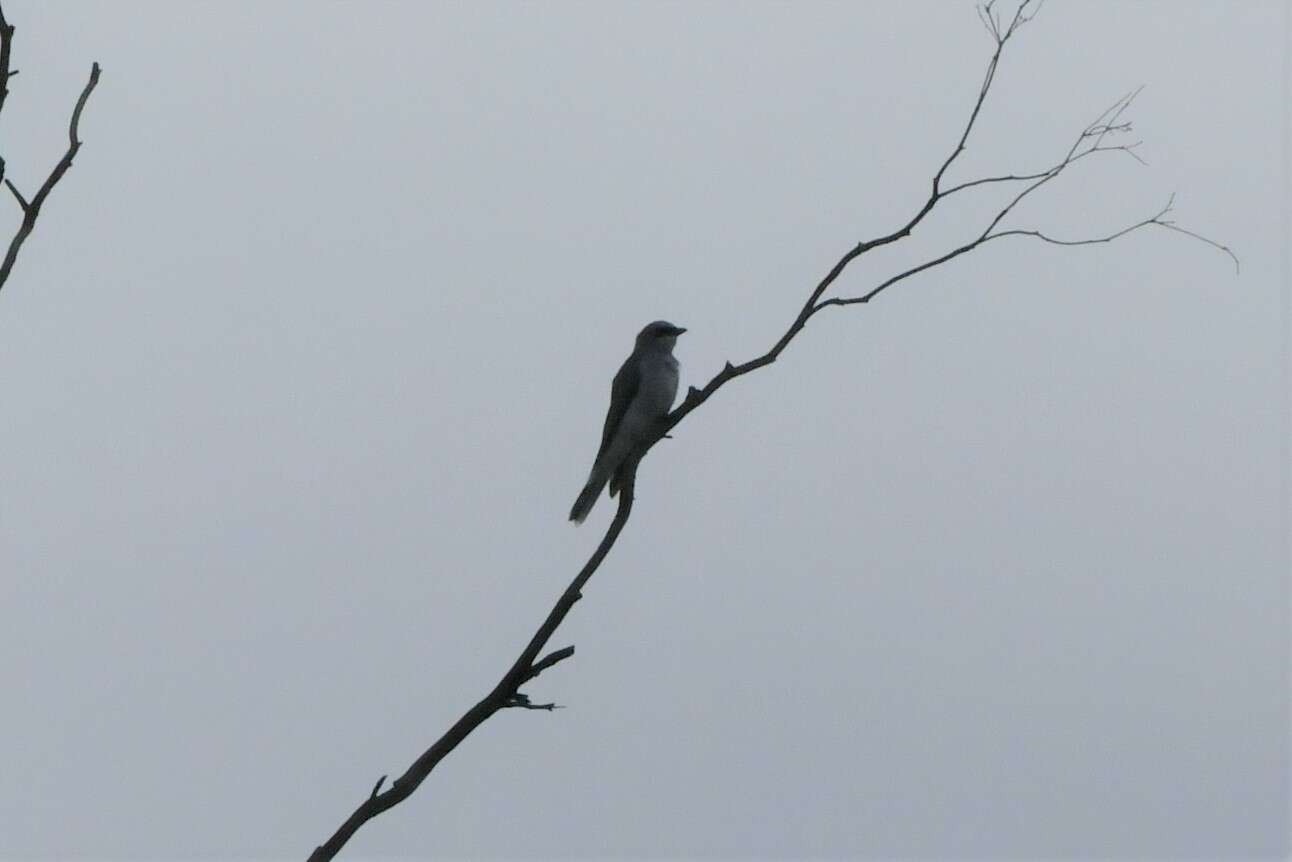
588 496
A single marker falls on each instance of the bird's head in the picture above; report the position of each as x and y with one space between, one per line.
661 334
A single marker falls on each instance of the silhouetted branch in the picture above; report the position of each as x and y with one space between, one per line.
31 208
549 660
506 694
1093 139
22 201
1089 142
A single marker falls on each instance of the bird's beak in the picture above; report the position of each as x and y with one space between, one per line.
678 330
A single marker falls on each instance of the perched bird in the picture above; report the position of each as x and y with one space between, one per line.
641 395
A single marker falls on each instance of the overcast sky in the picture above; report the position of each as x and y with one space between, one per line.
309 354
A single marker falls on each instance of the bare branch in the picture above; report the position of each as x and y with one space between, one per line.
987 237
1007 178
503 696
915 270
31 209
1156 220
74 127
1089 141
993 26
73 142
1092 136
696 397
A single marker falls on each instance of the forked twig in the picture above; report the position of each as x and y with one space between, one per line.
31 208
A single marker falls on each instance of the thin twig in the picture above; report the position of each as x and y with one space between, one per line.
22 201
1007 178
1170 225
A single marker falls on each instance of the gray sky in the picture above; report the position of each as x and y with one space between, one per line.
309 354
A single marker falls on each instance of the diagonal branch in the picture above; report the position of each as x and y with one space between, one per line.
525 668
31 209
696 397
507 694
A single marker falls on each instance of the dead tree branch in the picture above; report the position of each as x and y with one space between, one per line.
1089 142
1097 137
506 694
31 208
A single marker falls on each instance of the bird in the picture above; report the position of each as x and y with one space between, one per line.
642 393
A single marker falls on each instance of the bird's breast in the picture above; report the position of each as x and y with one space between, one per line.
658 385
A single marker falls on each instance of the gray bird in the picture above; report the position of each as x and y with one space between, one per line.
641 395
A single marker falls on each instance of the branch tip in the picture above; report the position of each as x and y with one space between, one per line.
73 126
22 201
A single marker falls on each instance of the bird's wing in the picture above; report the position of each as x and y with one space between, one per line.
622 392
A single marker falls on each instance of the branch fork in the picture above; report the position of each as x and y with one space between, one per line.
31 208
